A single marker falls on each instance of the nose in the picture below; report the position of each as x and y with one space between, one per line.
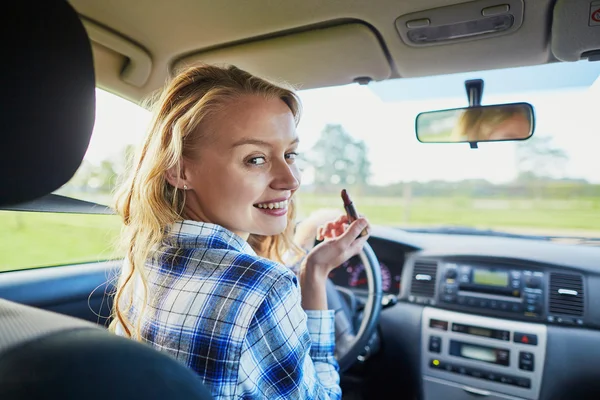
285 176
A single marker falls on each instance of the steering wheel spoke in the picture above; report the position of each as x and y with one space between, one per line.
350 342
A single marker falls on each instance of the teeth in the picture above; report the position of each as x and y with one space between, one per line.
270 206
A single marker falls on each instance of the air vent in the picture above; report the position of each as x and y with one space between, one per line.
423 279
566 294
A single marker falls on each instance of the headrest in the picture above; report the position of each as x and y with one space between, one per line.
48 98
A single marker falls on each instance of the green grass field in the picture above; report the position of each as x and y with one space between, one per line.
29 240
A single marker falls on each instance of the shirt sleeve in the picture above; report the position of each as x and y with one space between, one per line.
289 353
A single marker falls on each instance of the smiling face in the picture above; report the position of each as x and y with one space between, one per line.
243 172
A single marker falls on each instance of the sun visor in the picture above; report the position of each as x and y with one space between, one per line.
317 58
576 30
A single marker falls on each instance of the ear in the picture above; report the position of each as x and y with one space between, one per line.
176 176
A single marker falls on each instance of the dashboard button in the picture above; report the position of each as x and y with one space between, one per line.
516 307
526 361
449 367
464 370
451 273
533 299
450 289
525 338
532 308
523 382
504 306
533 281
475 373
462 300
435 344
508 380
494 304
438 324
449 298
491 376
472 302
483 303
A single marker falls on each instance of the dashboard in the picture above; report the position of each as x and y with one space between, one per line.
495 317
391 256
351 274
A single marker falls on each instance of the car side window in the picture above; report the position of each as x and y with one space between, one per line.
40 239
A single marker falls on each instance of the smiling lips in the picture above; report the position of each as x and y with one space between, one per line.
274 208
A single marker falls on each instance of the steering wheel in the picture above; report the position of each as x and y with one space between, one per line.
349 345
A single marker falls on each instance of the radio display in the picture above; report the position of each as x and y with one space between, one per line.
480 331
478 353
474 330
490 278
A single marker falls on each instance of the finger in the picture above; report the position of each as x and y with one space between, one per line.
357 246
331 233
352 232
339 225
320 233
328 226
339 220
342 219
341 229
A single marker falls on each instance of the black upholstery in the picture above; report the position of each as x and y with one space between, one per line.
89 364
48 101
47 97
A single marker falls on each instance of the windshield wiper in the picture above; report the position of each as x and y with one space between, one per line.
465 230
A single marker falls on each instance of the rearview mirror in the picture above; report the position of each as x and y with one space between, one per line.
476 124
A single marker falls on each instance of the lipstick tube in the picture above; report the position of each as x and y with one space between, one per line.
351 211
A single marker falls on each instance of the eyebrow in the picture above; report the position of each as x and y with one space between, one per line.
258 142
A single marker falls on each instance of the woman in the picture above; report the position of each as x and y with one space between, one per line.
208 211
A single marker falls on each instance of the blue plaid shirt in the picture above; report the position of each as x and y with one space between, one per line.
235 318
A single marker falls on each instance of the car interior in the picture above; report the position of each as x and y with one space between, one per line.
443 314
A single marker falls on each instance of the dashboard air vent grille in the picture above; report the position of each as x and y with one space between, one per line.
424 278
566 294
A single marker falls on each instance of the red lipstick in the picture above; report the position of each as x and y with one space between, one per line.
351 210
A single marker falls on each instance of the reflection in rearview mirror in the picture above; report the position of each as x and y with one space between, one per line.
476 124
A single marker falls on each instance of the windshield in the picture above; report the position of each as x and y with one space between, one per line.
363 138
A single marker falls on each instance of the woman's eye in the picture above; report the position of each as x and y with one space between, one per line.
257 160
291 156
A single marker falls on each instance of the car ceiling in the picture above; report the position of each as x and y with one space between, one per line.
138 44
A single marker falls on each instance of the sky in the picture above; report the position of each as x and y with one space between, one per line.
566 98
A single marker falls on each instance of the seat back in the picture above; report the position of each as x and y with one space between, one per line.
48 108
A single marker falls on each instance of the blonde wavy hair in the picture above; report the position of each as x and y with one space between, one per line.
478 123
145 200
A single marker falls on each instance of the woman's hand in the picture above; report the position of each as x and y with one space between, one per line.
341 242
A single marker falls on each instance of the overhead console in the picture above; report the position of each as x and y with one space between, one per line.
498 288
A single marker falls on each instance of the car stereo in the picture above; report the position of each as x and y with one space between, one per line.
492 287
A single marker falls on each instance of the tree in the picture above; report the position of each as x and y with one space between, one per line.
339 160
539 158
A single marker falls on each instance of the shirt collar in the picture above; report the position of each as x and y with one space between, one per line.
194 234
